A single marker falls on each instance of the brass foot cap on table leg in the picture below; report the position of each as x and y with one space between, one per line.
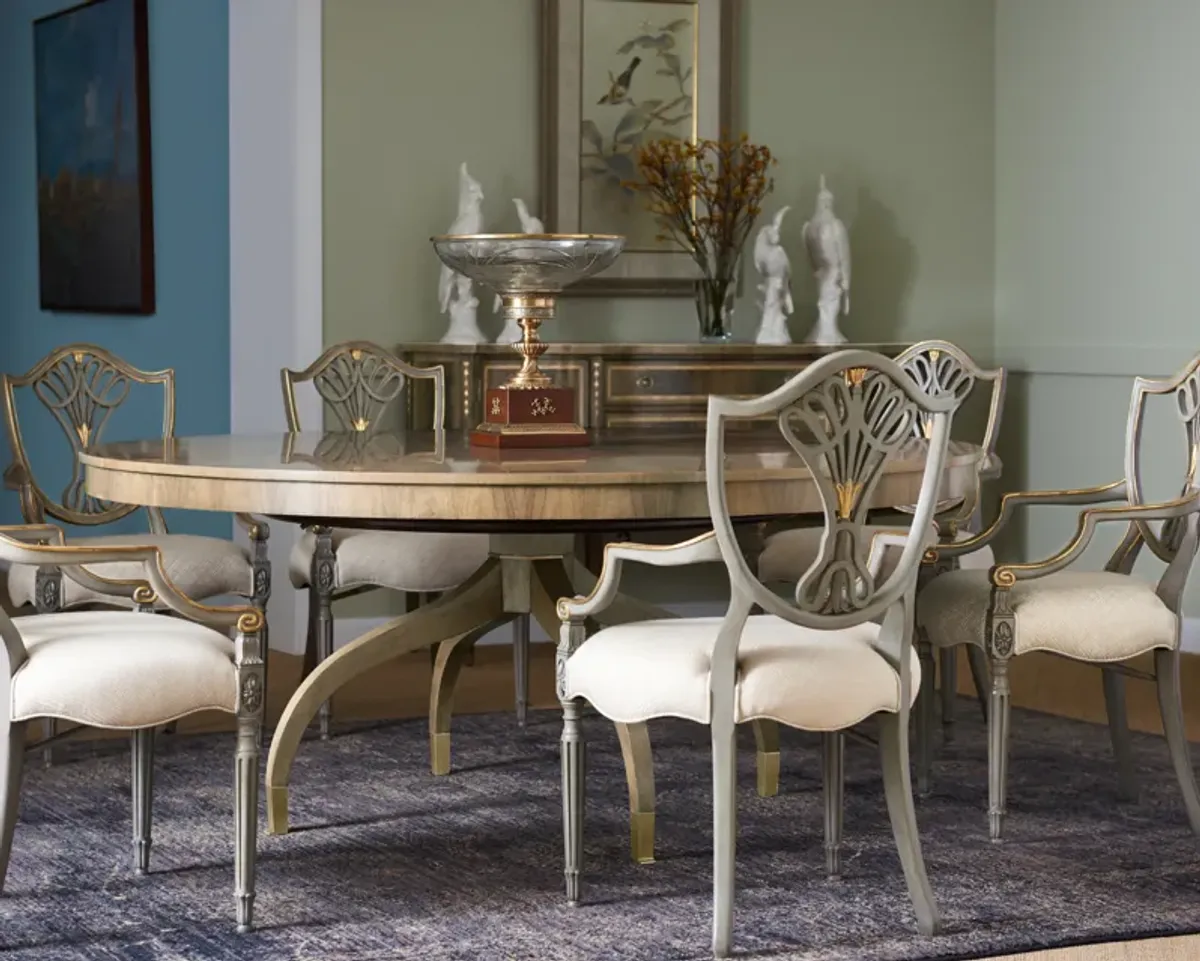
768 773
439 753
641 837
277 810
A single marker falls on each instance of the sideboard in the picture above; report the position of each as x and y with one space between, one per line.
616 385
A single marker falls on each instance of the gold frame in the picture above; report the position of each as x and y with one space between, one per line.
636 273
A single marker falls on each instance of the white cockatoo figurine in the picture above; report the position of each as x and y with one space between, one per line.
529 225
828 247
771 262
454 290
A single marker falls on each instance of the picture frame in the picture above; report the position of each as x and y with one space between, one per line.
95 195
689 50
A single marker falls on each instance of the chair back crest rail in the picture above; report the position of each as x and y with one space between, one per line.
941 368
1174 542
81 385
360 382
846 416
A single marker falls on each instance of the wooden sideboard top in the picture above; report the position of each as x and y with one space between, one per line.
737 351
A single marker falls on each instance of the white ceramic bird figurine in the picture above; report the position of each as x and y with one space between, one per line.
529 225
828 247
468 221
771 262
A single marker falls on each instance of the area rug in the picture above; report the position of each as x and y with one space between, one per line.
388 862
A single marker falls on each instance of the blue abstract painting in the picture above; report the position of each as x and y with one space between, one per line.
95 214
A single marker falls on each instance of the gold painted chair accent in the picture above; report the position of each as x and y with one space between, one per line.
941 369
1103 618
361 383
836 650
131 671
81 386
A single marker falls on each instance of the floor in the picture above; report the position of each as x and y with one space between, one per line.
1039 682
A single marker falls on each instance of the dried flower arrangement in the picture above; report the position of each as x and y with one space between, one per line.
706 196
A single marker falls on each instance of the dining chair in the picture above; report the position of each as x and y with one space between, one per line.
1104 617
939 368
82 386
131 671
361 384
837 651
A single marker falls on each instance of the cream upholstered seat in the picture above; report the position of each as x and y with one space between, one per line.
1088 615
788 673
1104 618
836 651
360 383
116 670
201 567
131 671
402 560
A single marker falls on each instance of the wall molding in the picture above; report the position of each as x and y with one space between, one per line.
275 238
1070 360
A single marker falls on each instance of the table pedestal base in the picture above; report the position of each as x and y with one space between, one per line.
526 574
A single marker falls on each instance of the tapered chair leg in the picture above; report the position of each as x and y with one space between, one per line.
833 745
724 762
142 783
925 715
893 752
979 675
324 649
998 722
12 764
948 668
1166 670
766 751
521 667
1118 732
573 750
245 787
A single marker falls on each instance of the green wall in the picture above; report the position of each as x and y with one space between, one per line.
892 101
1096 238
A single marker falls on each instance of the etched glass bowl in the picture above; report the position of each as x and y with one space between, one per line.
528 263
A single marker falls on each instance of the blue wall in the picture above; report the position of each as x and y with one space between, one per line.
189 120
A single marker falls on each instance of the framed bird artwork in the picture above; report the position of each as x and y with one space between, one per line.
617 75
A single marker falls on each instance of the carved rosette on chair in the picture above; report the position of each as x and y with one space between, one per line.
528 271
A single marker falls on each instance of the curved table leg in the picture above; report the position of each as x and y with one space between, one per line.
452 656
553 580
475 604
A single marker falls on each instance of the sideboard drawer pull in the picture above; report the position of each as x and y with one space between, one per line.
645 382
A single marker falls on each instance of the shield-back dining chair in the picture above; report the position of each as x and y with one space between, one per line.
1104 617
82 386
939 368
837 651
130 671
361 384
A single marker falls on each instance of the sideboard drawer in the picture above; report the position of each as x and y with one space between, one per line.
633 384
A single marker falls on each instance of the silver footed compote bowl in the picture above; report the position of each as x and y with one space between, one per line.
528 271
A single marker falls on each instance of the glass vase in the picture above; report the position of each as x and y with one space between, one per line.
714 310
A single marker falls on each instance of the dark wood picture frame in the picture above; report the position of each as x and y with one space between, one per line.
94 176
639 273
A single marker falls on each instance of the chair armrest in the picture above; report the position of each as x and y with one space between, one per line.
156 585
1116 491
256 528
1006 575
698 550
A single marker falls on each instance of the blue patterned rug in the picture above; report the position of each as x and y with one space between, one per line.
388 862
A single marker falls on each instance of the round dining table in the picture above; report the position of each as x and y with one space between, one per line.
531 503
